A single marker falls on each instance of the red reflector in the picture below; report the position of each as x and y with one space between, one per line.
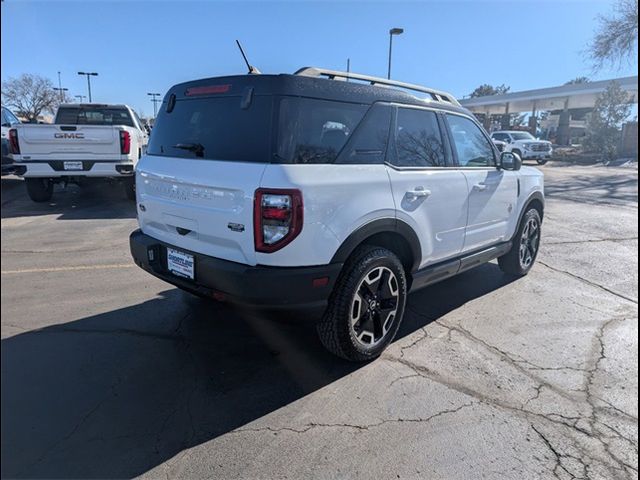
219 296
207 90
276 213
320 282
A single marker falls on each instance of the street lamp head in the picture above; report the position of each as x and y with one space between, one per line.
396 31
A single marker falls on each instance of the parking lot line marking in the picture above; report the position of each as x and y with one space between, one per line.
68 269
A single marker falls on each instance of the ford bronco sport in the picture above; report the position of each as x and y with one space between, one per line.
310 190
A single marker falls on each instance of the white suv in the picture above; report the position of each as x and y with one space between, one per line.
293 191
524 145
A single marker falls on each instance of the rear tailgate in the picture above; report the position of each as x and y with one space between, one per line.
69 142
200 206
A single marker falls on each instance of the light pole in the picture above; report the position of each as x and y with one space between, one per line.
392 32
155 100
89 75
61 90
80 97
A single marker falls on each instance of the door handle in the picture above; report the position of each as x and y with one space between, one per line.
418 192
480 187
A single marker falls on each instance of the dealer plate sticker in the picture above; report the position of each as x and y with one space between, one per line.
180 263
73 165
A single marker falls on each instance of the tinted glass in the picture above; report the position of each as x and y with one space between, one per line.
93 116
215 129
473 148
522 136
8 117
418 139
369 142
500 136
314 131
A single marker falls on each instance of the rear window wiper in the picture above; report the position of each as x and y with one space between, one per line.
196 148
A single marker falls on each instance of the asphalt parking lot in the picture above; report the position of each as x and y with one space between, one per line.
108 372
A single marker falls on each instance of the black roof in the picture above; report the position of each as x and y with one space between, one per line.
301 86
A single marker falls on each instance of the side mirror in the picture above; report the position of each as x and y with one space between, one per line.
510 161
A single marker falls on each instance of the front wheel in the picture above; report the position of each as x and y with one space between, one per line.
542 161
526 242
366 306
39 189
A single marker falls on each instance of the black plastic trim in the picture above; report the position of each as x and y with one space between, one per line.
260 286
449 268
382 225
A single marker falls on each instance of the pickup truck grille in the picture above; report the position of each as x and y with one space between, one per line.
540 147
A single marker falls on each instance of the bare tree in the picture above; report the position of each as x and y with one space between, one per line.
30 95
616 38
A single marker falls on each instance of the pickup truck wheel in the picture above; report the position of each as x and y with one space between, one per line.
526 242
130 188
542 161
39 189
366 306
518 152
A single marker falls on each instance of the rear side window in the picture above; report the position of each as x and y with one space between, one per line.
472 146
418 139
94 115
369 142
215 128
315 131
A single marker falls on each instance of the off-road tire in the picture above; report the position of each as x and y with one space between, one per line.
39 189
334 328
510 262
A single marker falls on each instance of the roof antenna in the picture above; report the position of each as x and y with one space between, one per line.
252 70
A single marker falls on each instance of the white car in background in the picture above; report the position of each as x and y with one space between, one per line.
525 145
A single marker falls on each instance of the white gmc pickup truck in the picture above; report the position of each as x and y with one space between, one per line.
85 141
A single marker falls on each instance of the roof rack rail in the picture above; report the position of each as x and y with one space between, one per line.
436 95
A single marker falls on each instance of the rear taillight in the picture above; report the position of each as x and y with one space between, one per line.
277 218
125 142
13 141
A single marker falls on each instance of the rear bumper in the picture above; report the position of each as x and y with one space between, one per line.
90 168
259 286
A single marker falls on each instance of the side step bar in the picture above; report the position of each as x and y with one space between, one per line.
440 271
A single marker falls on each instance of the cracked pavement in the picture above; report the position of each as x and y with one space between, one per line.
110 373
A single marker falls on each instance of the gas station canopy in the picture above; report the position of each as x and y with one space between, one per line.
579 95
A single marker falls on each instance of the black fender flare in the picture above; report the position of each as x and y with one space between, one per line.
381 225
537 195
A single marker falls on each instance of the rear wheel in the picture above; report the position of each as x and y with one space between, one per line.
366 306
526 242
39 189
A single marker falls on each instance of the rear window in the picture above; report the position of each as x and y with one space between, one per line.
94 116
215 129
314 131
303 130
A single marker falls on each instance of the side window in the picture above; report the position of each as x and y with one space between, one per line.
498 136
472 147
369 142
418 139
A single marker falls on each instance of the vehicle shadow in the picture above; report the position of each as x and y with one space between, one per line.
595 189
96 200
116 394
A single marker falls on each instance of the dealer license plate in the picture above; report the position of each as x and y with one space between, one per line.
73 165
180 263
